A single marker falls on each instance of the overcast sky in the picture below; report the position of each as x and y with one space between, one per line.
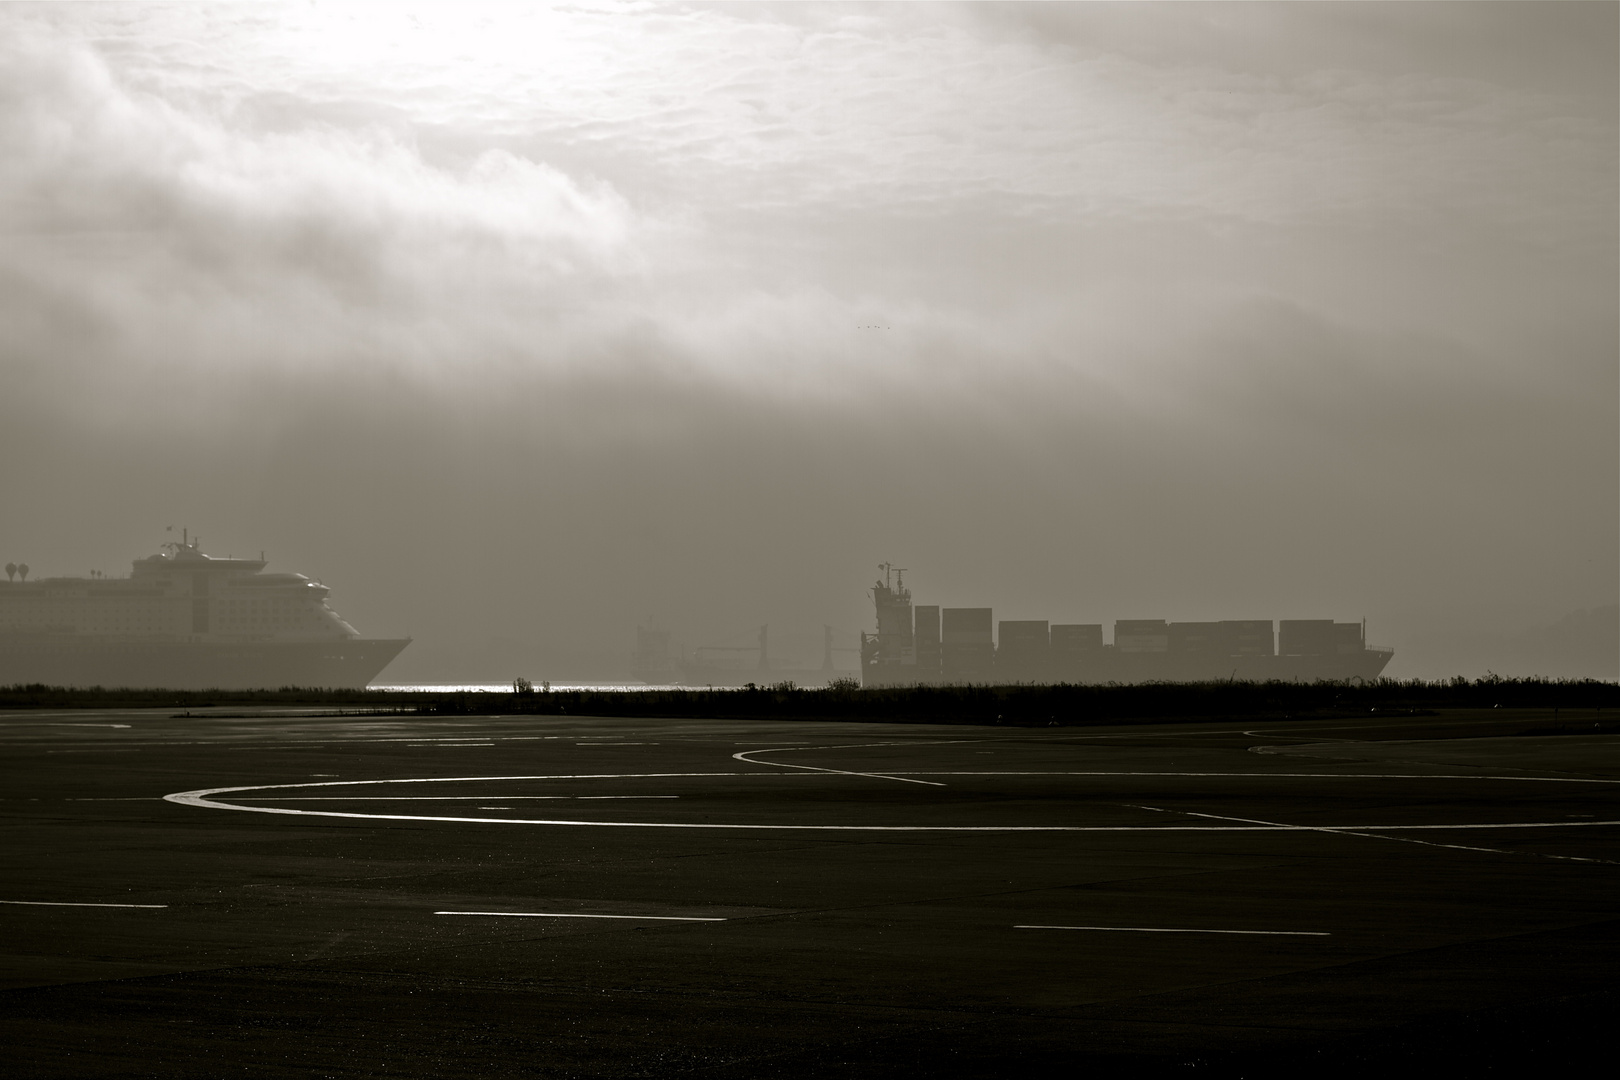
521 326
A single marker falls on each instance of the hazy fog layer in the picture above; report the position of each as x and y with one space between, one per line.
522 326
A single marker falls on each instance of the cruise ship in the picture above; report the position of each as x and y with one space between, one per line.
929 645
182 620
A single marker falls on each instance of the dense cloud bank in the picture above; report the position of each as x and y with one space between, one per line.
526 327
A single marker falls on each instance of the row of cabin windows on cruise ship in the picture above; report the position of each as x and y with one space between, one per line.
117 616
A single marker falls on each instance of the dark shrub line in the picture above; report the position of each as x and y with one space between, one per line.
1013 705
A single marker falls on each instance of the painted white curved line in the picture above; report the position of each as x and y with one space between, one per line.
982 772
743 756
202 797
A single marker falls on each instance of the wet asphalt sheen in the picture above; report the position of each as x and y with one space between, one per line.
576 897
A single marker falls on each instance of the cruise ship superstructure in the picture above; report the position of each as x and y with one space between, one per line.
185 620
931 645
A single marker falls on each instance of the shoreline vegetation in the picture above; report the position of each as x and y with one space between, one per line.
1060 705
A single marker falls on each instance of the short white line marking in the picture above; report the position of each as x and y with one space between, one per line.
59 903
573 915
1178 930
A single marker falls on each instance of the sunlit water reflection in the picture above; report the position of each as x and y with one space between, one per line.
506 688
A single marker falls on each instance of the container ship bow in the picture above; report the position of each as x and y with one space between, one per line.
182 620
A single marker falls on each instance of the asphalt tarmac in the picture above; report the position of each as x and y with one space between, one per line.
278 894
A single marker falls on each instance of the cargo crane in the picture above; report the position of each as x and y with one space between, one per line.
728 665
764 655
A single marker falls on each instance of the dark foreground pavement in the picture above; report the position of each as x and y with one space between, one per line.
309 945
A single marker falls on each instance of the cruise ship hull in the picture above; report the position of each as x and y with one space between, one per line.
182 665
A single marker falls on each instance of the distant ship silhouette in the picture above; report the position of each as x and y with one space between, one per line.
183 620
930 645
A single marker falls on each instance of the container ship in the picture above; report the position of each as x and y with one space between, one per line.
182 620
931 645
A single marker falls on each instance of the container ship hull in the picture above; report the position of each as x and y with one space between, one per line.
1124 668
186 665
